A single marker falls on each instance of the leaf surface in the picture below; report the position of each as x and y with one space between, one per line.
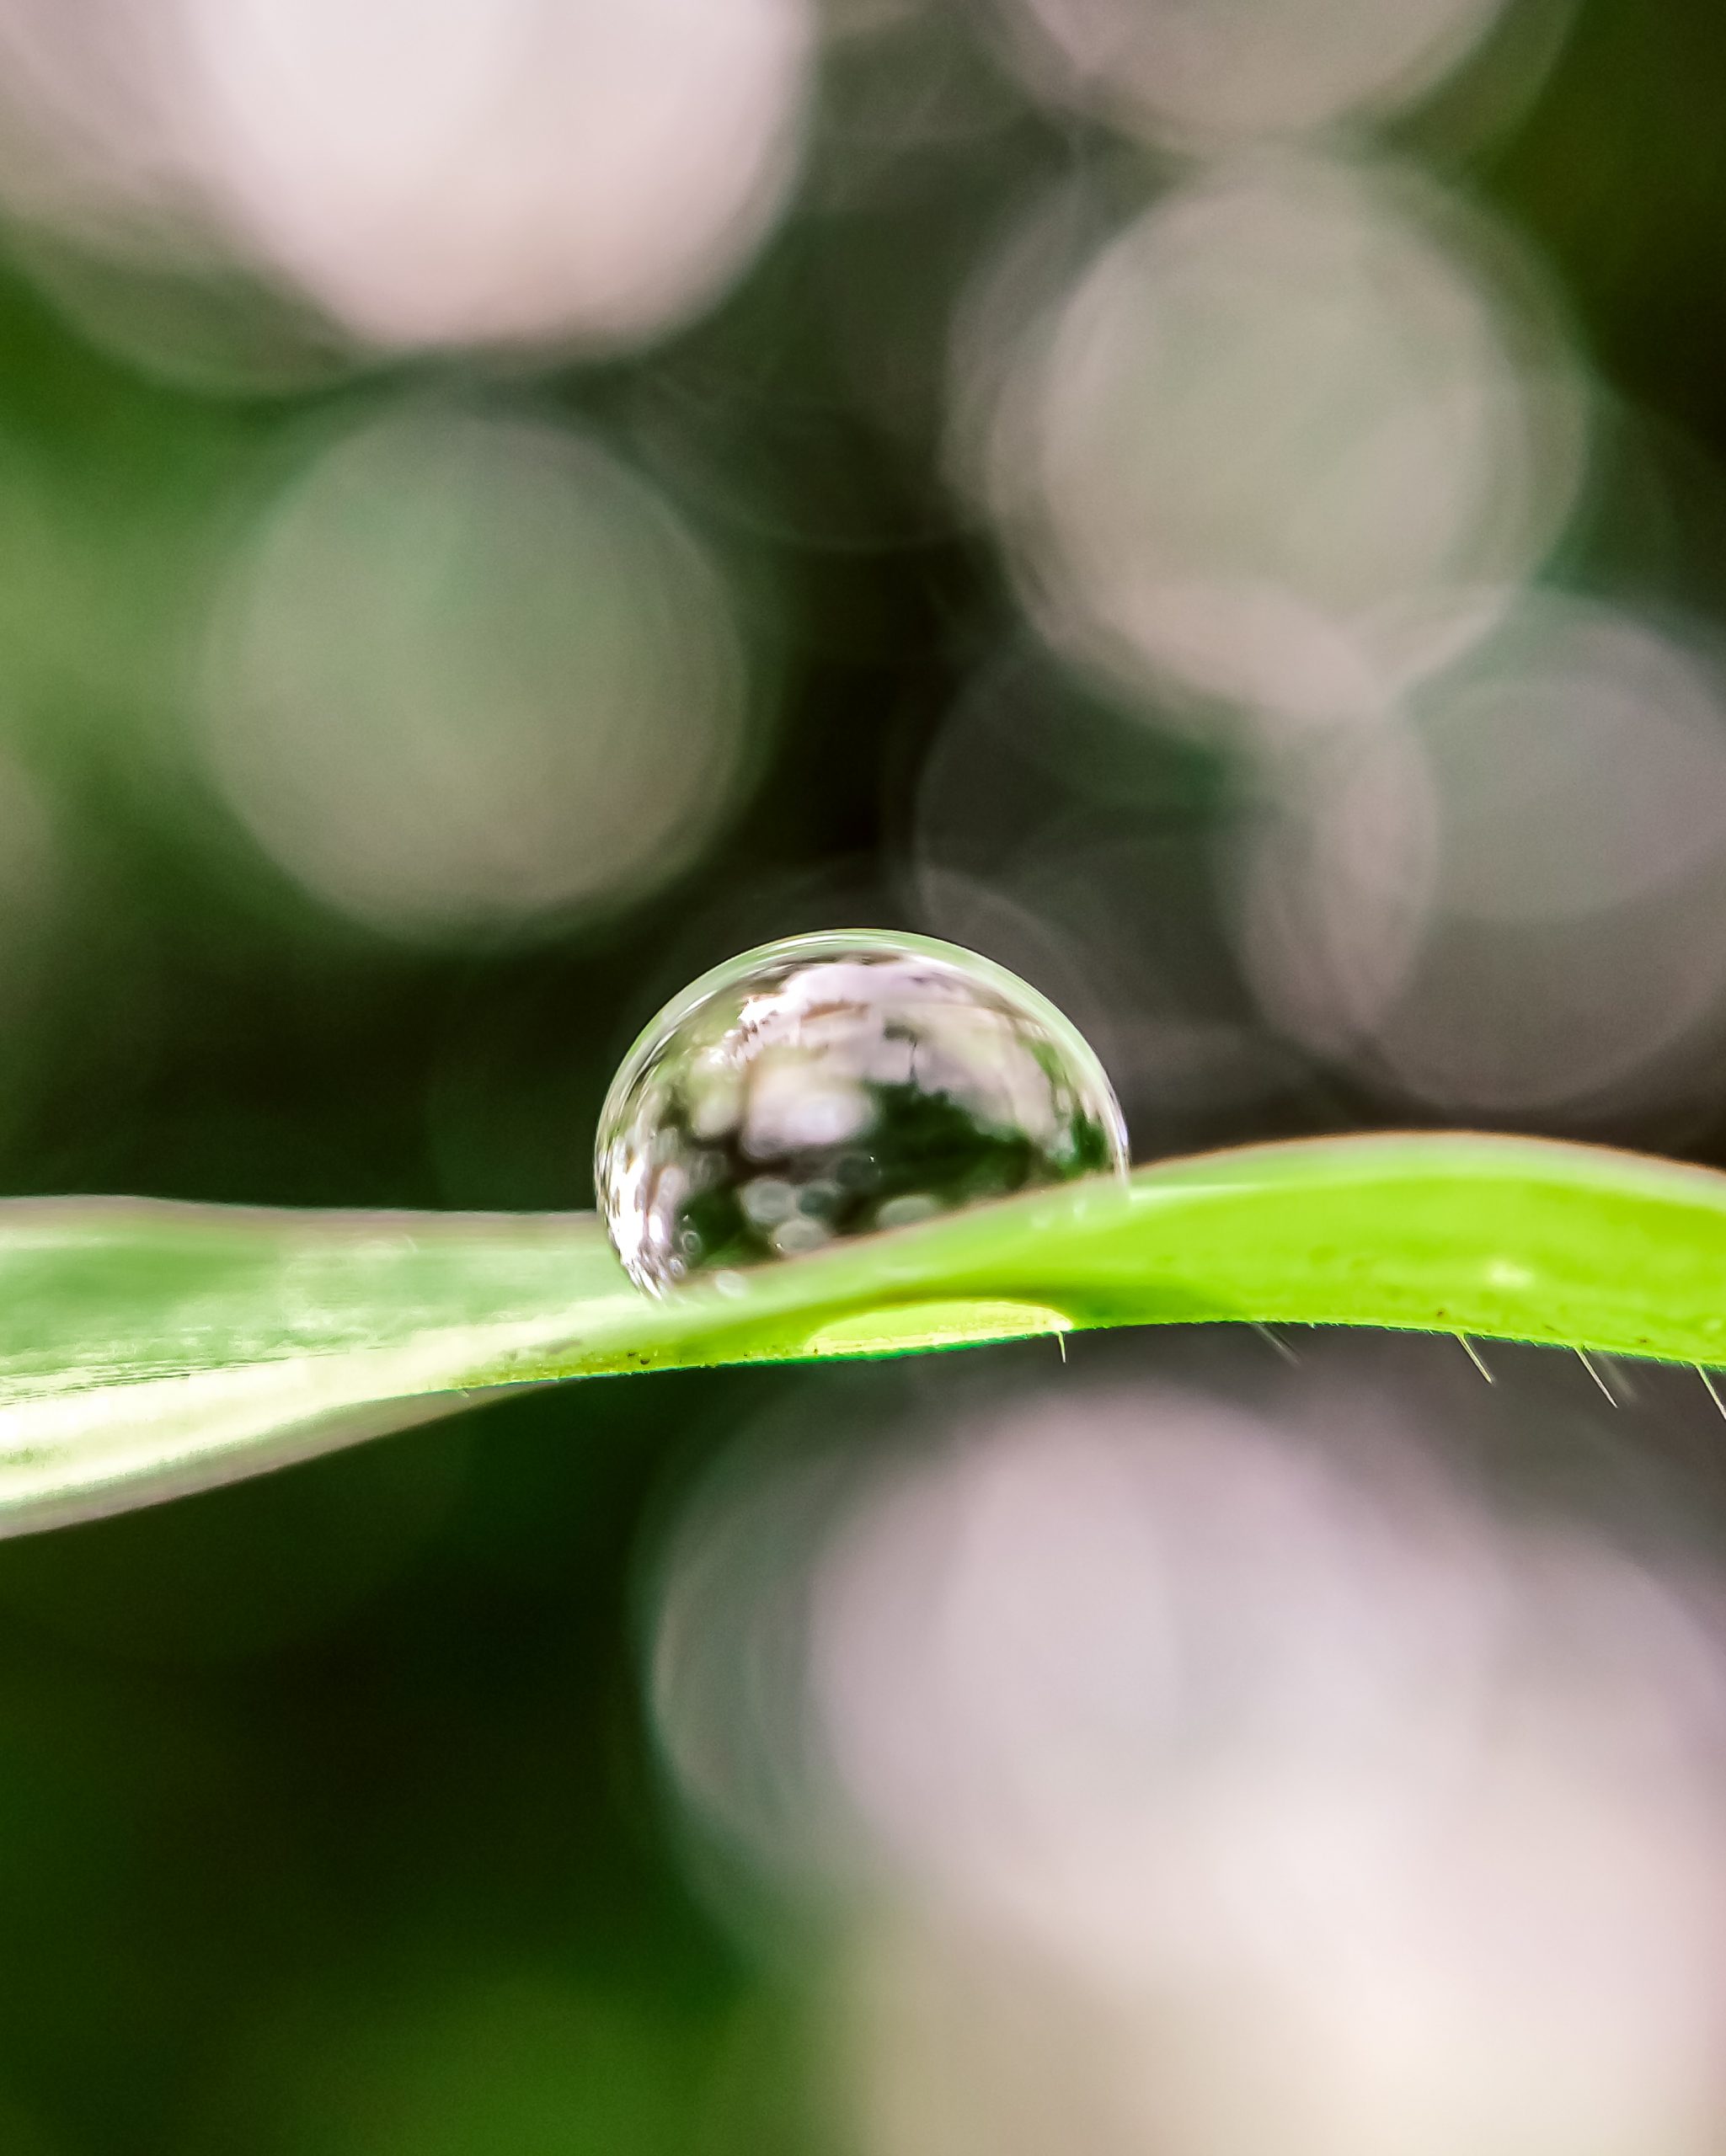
148 1348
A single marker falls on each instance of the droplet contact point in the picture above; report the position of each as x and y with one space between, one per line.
839 1085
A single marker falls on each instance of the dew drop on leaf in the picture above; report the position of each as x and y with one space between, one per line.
835 1086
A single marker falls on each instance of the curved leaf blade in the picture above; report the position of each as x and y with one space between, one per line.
149 1348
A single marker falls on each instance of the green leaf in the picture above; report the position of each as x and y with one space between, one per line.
150 1348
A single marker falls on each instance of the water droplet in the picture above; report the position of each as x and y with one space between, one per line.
835 1086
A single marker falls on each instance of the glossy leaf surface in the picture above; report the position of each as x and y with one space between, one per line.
149 1348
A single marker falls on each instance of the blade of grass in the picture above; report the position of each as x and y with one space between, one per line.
150 1349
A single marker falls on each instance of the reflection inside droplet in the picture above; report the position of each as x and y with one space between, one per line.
833 1086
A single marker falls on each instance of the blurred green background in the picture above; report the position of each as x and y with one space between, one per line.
416 663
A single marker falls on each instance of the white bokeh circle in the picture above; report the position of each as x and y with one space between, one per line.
471 672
